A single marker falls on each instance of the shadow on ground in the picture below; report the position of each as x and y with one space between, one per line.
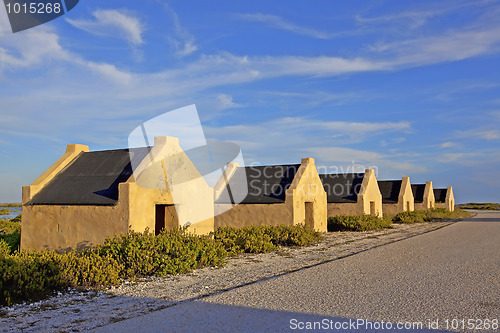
199 316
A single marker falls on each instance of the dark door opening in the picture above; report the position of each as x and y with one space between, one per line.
165 218
407 206
373 212
309 220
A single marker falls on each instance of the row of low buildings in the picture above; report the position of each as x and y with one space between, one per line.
86 196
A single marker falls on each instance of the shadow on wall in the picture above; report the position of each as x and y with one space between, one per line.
85 245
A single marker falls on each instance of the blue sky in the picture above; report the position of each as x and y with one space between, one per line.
412 88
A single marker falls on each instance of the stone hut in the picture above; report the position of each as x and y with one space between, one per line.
270 195
352 193
397 196
444 198
423 195
86 196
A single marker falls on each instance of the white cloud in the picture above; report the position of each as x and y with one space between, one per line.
114 23
111 72
279 23
448 144
36 46
183 42
440 48
225 101
480 133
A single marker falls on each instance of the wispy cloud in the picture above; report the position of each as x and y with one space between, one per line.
416 18
37 47
448 144
440 48
280 23
112 23
412 19
225 101
480 133
183 42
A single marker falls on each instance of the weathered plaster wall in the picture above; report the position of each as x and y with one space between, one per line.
176 180
449 203
391 209
63 228
429 201
405 199
335 209
307 187
370 192
243 215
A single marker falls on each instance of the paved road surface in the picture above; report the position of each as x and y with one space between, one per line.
450 273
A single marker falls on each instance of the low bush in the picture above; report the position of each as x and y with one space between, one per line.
12 240
27 277
357 223
31 275
4 248
481 206
174 252
10 226
419 216
10 232
259 239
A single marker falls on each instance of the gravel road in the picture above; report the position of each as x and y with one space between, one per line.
386 274
450 274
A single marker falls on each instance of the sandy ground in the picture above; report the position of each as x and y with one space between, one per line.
76 311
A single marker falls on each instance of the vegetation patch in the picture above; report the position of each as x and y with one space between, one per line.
481 206
10 233
357 223
5 211
32 275
261 239
11 204
437 214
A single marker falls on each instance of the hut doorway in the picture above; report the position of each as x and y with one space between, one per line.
309 218
165 218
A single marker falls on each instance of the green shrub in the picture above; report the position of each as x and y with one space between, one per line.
419 216
357 223
482 206
260 239
173 252
17 219
13 240
31 275
4 248
27 277
10 226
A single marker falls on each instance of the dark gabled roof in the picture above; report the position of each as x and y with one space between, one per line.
266 184
92 178
390 190
342 187
418 192
440 194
